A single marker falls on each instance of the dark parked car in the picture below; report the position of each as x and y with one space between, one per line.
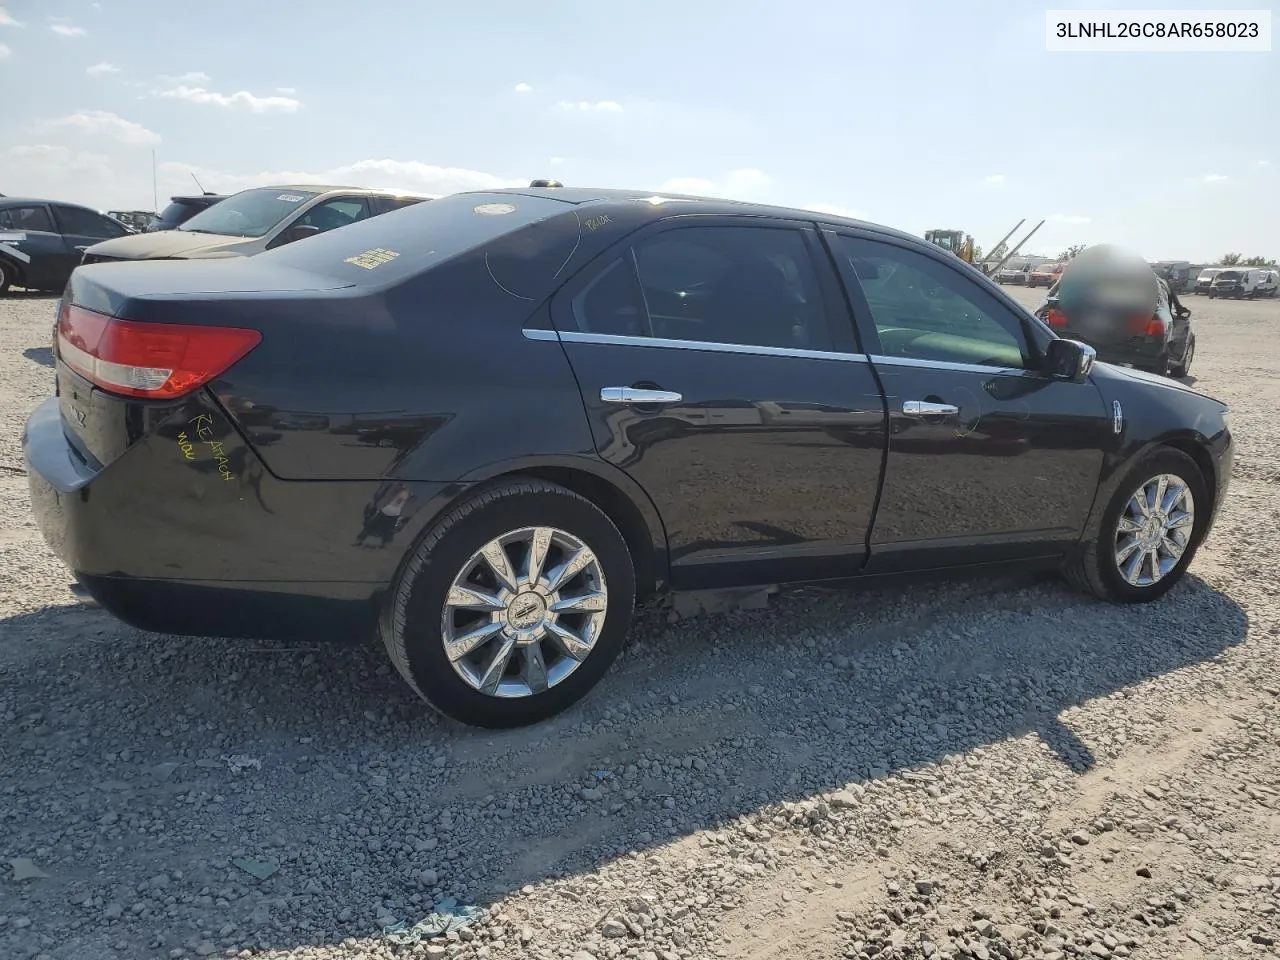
254 220
1121 308
182 209
42 241
592 397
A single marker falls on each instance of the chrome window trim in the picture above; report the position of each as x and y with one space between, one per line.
880 360
574 336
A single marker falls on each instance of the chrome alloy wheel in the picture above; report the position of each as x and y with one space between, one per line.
524 612
1154 530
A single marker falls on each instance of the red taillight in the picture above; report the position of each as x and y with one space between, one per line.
157 361
1056 319
1147 324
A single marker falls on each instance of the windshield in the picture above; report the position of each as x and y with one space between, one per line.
250 213
1229 275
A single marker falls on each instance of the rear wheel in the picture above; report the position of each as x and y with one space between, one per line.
1181 368
6 277
1149 533
513 606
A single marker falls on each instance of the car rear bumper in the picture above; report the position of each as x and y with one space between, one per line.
168 544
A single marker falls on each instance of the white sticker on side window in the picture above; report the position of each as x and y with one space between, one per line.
290 198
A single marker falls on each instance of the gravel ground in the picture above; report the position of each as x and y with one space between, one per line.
982 768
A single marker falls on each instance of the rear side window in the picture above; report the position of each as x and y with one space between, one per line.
385 249
747 286
34 218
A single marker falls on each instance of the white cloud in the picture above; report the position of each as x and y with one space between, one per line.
65 29
1214 178
557 160
98 69
195 76
600 106
44 157
833 210
995 178
733 185
6 19
4 51
1069 218
523 88
105 123
241 99
1262 163
287 91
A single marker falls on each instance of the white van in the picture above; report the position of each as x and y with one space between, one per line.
1268 285
1236 282
1205 280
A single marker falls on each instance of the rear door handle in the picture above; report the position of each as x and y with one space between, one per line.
921 408
637 395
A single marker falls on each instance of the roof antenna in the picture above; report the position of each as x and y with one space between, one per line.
198 186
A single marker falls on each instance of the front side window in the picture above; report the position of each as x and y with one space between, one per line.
249 213
749 286
923 310
33 218
333 214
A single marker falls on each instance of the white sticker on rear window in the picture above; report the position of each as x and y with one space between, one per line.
494 209
290 198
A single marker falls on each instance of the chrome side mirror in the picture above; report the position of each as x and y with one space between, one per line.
1069 360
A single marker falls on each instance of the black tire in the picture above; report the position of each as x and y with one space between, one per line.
1160 366
411 623
6 277
1183 366
1094 569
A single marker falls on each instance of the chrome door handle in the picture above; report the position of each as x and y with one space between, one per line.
920 408
637 395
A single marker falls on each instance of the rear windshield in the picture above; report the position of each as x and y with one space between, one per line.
179 209
1229 275
249 213
404 242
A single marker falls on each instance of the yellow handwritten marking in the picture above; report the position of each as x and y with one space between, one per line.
373 258
595 223
204 430
185 446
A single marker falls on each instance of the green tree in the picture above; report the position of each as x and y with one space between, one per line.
1257 262
1230 259
1071 252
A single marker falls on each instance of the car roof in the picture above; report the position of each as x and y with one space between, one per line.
695 204
324 188
20 201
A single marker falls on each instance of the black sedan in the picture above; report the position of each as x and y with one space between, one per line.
42 241
592 397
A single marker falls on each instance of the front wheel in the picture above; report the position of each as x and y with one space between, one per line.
513 606
6 277
1149 533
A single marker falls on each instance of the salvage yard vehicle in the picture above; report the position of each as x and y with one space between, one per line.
1045 275
1114 302
1238 282
42 241
1205 280
254 220
1267 284
181 209
561 373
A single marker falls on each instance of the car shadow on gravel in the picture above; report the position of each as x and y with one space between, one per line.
40 355
358 794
